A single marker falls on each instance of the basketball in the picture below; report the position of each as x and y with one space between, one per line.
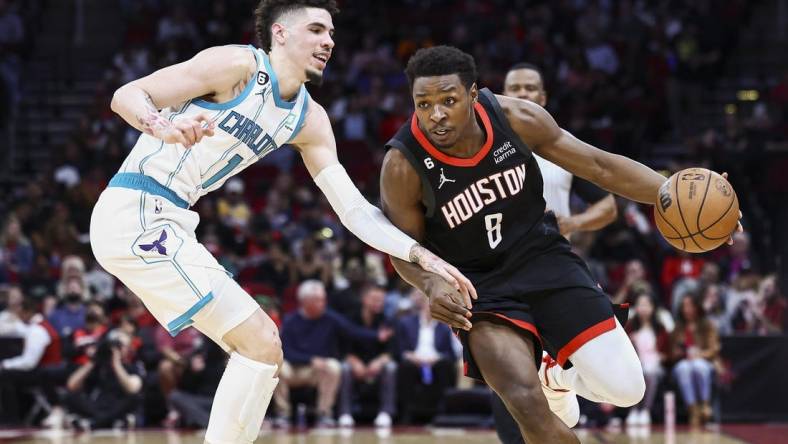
696 210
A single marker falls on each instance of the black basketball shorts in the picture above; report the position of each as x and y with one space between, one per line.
559 320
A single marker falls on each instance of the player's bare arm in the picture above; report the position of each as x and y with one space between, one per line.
218 74
598 215
617 174
400 194
317 147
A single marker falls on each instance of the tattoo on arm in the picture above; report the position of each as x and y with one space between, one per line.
152 123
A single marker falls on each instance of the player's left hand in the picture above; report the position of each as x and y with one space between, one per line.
739 228
433 264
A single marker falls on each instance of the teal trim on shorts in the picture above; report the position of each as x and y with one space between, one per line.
176 325
141 182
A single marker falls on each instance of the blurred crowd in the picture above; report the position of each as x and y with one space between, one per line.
617 73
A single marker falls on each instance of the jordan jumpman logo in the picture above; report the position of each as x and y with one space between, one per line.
443 180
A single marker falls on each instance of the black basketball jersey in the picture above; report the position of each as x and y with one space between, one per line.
486 214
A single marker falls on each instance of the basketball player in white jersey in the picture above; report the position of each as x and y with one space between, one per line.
203 121
524 81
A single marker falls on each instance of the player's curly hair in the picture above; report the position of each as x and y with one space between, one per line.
441 61
269 11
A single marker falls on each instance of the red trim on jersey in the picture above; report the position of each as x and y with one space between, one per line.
585 336
451 160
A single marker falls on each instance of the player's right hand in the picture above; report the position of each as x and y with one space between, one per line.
187 131
447 305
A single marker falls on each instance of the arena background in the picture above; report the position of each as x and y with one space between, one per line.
670 83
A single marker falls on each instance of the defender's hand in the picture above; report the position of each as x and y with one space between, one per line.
739 228
429 262
447 305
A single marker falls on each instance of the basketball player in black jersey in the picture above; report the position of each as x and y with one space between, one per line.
461 178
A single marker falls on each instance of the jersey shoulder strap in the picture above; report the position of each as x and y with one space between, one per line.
490 102
404 142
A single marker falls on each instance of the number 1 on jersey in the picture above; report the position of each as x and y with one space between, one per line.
493 224
231 164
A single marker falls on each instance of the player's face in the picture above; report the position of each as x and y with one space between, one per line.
525 84
310 41
444 108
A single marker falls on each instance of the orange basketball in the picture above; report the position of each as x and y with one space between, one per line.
696 210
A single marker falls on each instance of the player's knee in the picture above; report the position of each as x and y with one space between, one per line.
629 390
526 399
257 338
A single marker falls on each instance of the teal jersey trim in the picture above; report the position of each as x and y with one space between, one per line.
234 102
176 325
278 100
141 182
300 122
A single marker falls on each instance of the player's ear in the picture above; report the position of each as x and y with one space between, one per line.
474 93
278 32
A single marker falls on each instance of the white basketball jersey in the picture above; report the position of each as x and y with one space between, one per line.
248 127
557 186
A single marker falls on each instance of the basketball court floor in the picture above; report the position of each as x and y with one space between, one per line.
745 434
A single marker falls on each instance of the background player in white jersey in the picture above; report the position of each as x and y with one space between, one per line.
525 81
220 112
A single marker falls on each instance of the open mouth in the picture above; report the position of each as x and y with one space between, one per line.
322 58
441 132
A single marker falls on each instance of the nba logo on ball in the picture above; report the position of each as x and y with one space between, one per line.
694 216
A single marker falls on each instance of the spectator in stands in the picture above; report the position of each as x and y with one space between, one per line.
10 321
232 208
69 316
635 281
41 352
695 348
739 259
427 360
369 362
310 342
277 269
85 339
308 264
761 311
105 390
713 300
193 398
175 353
16 252
652 344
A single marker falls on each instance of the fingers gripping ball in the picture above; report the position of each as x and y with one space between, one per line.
697 210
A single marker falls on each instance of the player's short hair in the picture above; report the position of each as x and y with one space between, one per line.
269 11
526 65
441 61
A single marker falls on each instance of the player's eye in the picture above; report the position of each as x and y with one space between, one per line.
423 105
450 101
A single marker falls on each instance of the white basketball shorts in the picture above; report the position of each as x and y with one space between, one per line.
145 237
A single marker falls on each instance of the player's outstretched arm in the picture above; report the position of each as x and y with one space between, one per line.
400 193
617 174
317 146
212 71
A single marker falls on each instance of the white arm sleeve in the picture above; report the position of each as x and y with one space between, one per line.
362 218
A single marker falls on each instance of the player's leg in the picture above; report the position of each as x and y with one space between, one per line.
249 380
505 359
505 426
580 323
606 369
